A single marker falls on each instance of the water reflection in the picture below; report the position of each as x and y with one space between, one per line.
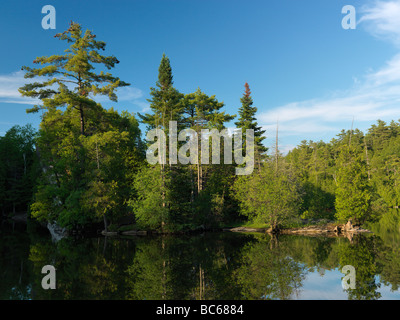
210 266
268 271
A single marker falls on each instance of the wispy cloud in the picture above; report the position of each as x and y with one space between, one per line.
382 19
127 96
10 83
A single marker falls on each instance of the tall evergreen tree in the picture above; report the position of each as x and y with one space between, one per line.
247 120
87 154
204 112
209 197
166 101
74 73
166 105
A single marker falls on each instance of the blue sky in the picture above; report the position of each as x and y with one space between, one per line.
304 69
327 285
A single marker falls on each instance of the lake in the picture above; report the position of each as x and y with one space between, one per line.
217 266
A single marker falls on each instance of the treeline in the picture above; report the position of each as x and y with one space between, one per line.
354 176
354 164
93 166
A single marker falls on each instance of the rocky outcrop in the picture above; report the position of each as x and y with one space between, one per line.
124 233
327 229
20 217
310 230
350 227
109 233
57 232
134 233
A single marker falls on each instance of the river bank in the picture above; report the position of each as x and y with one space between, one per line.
327 229
309 228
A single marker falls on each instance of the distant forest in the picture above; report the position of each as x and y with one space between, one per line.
87 165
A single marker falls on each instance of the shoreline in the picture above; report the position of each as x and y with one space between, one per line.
329 229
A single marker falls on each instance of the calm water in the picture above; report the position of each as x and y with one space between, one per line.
209 266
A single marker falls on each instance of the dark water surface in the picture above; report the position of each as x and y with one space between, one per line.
214 266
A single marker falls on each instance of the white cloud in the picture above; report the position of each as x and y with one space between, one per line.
374 96
123 94
382 19
10 83
144 106
387 74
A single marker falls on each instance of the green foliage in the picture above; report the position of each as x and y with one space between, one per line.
268 272
18 169
148 205
92 159
247 120
314 165
89 155
362 255
74 73
271 196
216 266
353 193
86 179
166 101
176 197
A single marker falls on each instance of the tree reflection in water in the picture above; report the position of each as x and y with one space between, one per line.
216 266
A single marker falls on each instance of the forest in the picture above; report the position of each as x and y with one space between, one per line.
86 165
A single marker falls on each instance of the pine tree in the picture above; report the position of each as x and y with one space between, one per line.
247 120
74 73
204 112
166 101
166 105
87 154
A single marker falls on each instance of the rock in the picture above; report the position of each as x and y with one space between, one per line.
20 217
134 233
337 229
57 232
348 226
109 233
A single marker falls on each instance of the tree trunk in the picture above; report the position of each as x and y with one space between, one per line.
82 121
105 223
366 156
198 178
